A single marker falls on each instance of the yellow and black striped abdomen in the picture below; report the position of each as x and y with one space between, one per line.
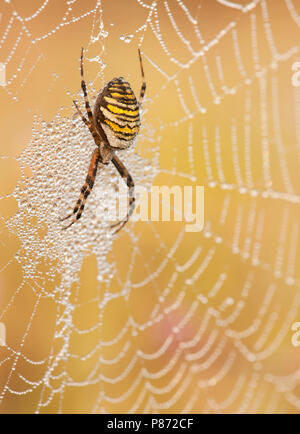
117 113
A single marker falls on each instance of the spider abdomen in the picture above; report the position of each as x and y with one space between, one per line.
117 113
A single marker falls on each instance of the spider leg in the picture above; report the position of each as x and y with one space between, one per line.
84 119
129 181
85 190
143 88
83 86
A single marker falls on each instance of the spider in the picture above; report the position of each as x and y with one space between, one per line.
114 125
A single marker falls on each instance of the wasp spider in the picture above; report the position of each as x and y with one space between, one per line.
114 125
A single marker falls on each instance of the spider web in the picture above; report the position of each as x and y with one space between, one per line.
155 319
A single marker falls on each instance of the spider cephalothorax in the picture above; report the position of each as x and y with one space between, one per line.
114 125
